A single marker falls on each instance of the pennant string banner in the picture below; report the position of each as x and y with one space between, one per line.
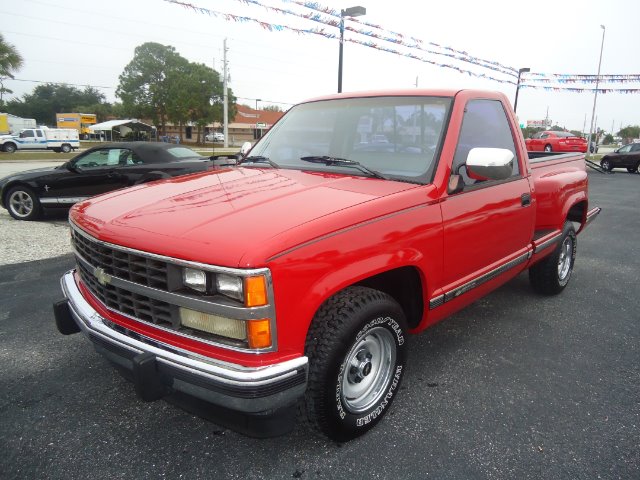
559 78
321 32
400 39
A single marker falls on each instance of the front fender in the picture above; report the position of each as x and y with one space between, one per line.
307 276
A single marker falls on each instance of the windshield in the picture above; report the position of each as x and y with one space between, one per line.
397 137
564 134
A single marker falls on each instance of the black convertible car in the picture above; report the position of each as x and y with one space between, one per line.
97 170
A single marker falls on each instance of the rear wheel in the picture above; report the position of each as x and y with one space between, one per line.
23 204
357 351
66 148
552 274
547 148
606 165
632 169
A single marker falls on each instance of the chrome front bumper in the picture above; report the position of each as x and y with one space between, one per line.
158 369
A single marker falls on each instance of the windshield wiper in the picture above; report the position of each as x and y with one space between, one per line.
343 162
259 159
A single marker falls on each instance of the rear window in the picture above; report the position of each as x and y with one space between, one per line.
564 134
182 152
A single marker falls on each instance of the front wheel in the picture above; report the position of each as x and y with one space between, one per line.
357 352
23 204
552 274
9 147
606 165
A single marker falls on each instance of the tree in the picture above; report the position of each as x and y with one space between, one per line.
529 132
162 85
10 61
629 132
608 139
272 108
48 99
146 81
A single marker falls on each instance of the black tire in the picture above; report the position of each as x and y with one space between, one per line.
65 148
606 164
552 274
9 147
23 204
547 148
366 329
632 169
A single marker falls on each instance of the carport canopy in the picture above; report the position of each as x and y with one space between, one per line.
122 126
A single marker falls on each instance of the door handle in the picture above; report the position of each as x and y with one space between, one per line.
525 199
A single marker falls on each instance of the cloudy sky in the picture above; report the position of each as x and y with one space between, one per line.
89 43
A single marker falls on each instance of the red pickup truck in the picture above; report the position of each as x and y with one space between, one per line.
297 277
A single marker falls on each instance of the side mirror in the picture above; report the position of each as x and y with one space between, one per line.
246 146
489 163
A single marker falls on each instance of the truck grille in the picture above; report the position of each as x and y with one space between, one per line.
131 267
128 266
132 304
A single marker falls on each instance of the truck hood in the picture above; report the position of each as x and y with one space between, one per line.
236 218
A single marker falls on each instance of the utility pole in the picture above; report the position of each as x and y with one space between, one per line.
225 105
595 95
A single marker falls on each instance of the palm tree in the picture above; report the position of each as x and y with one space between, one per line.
10 61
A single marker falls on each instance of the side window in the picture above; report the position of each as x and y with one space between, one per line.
102 158
485 125
39 133
131 158
636 147
27 134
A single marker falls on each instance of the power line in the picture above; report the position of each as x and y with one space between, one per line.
59 83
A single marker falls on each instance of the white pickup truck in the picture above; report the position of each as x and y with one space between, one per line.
56 139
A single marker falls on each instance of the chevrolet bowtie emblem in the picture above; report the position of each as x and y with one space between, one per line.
103 277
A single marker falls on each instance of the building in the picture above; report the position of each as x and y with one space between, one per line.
247 126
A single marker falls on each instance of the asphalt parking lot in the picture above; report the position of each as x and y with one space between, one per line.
516 386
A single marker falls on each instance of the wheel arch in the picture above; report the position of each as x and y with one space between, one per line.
405 286
15 146
12 184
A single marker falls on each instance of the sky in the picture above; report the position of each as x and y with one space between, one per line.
90 43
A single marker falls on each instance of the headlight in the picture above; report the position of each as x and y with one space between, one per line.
196 279
230 285
256 333
251 291
206 322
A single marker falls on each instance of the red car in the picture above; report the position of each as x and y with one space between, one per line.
552 141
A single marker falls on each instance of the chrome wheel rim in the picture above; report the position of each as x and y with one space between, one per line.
21 203
368 370
564 260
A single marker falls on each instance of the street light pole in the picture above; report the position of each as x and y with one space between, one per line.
520 72
347 12
595 96
258 130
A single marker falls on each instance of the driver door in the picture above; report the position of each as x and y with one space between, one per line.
91 173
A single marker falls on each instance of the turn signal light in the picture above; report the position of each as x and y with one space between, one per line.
255 291
259 333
